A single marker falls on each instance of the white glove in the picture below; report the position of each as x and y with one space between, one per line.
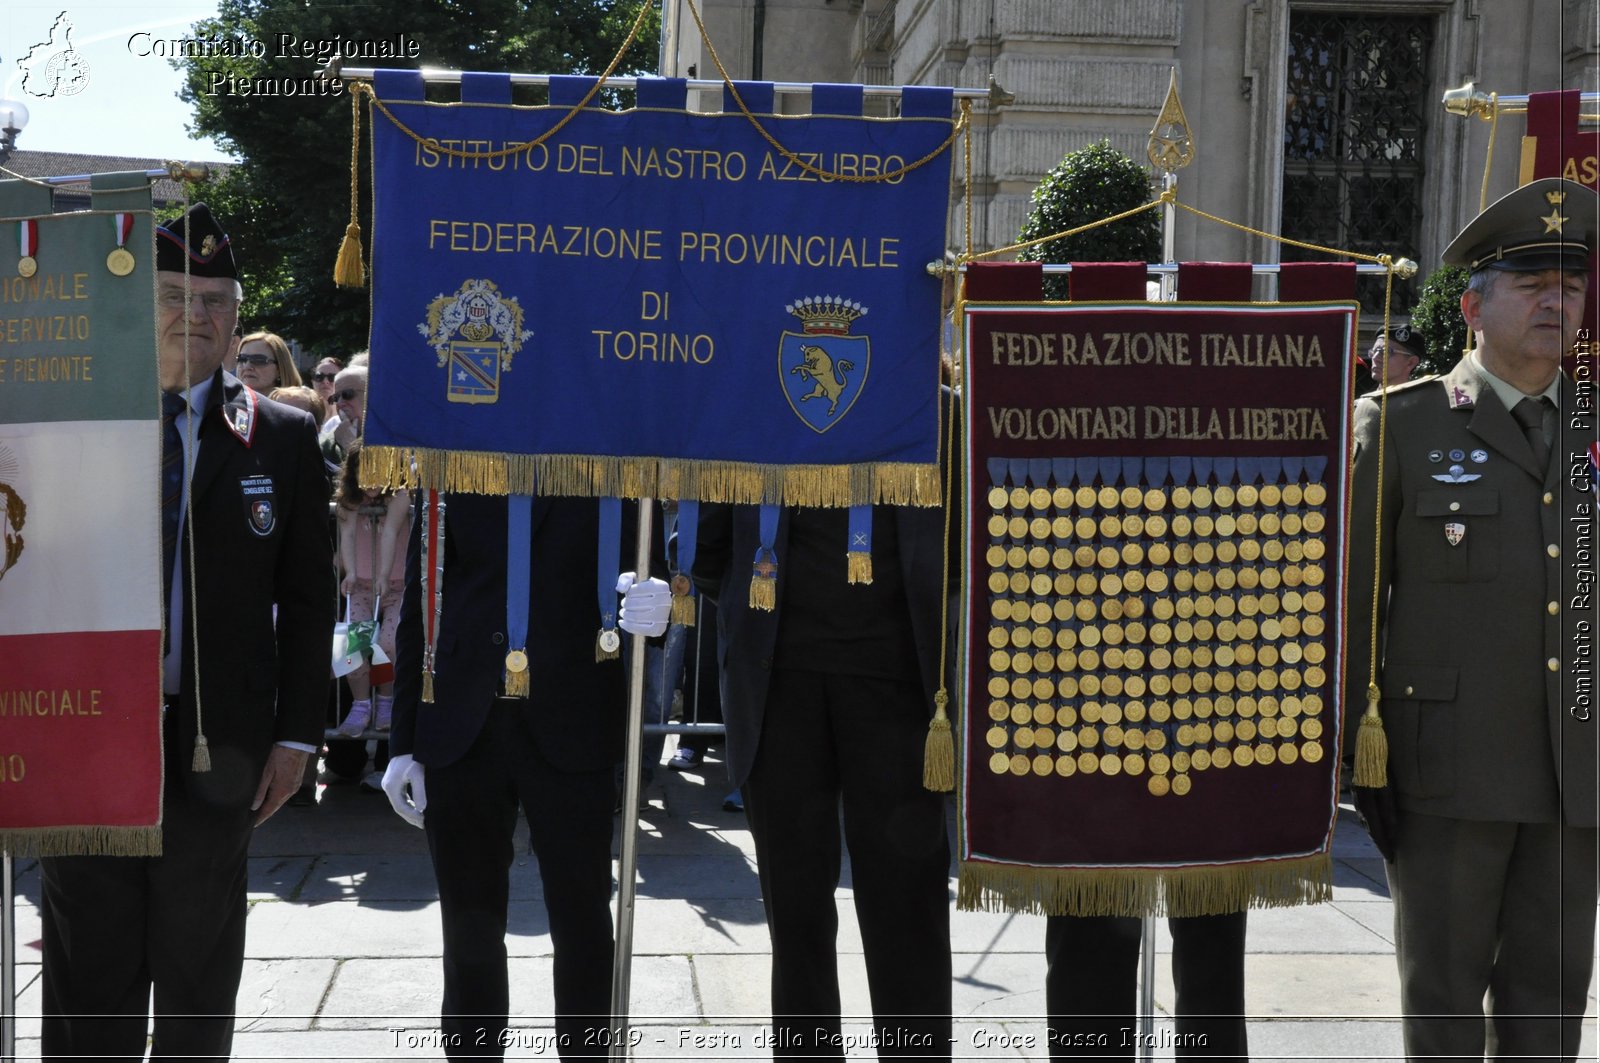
646 605
403 773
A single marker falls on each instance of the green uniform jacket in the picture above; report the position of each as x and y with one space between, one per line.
1487 621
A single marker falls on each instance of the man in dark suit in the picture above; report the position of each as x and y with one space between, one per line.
827 698
246 530
464 760
1488 821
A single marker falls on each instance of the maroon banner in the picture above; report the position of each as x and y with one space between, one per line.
1155 586
1554 147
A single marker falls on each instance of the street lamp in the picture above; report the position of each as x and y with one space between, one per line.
13 119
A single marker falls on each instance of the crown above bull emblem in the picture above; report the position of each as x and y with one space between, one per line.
826 315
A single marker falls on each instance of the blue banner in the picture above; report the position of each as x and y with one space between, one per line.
655 301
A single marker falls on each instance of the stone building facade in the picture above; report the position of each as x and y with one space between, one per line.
1319 119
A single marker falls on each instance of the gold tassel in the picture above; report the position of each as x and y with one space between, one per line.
764 593
939 753
202 755
347 269
859 568
1372 745
682 610
517 683
600 651
427 687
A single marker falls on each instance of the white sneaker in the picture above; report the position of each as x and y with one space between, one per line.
356 723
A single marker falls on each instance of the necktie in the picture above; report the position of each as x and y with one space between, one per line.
1530 415
171 484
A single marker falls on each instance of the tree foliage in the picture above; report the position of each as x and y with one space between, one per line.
287 203
1437 316
1091 183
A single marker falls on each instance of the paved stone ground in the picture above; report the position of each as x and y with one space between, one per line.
342 956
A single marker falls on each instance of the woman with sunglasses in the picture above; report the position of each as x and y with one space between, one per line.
323 375
265 363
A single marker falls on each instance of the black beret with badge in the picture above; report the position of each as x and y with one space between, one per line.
197 238
1545 224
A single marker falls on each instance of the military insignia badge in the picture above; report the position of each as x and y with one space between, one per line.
259 504
1459 397
1454 532
474 332
823 368
1458 474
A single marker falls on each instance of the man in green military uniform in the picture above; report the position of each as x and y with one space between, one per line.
1485 647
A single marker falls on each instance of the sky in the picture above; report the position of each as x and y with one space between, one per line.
127 103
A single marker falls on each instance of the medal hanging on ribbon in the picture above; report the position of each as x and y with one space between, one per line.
608 643
682 586
120 261
431 571
764 569
519 545
28 241
859 560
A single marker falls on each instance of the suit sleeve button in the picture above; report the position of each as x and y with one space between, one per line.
498 638
766 662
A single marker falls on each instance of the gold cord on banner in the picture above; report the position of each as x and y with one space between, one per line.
348 264
939 751
791 157
1372 744
347 269
515 149
201 760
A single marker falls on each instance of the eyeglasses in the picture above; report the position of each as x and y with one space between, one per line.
347 395
257 359
215 303
324 378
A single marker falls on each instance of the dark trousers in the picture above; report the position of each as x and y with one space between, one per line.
1507 908
827 739
115 926
1091 990
470 820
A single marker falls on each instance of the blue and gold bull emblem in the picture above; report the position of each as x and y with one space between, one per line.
823 370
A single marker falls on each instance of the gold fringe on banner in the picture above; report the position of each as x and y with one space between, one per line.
81 841
1140 891
682 610
858 567
517 683
470 472
427 688
600 651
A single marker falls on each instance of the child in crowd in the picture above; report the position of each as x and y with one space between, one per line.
373 526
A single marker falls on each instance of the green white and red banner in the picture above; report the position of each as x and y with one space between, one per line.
1154 595
80 572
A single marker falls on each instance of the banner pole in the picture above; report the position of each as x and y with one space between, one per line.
627 863
8 962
